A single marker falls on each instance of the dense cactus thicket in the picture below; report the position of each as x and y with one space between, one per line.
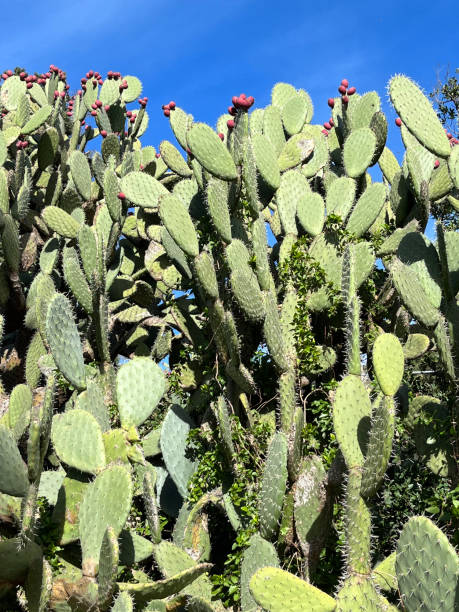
210 387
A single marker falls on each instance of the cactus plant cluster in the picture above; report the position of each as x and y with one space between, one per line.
263 234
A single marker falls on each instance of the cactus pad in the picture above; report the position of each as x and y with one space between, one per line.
210 152
388 362
140 385
278 591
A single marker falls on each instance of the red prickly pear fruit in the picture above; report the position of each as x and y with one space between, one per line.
342 89
69 113
29 85
129 114
165 107
82 122
436 163
145 99
103 133
345 99
90 74
351 91
100 81
142 166
327 125
80 92
324 132
94 106
84 81
94 113
345 83
94 83
235 100
22 75
99 103
109 74
132 119
62 94
250 101
157 155
87 127
331 122
4 76
167 112
449 136
121 196
172 105
125 133
232 110
230 123
83 87
107 107
221 136
243 96
398 122
9 72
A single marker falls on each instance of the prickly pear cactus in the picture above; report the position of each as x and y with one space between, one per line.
204 348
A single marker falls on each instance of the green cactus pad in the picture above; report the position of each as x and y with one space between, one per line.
64 340
142 189
388 164
340 197
180 123
358 594
178 223
364 109
259 553
106 502
16 559
172 560
273 485
415 345
36 350
379 445
278 591
417 113
273 128
311 212
60 221
108 568
388 362
311 508
81 174
266 160
210 152
413 294
140 385
294 113
174 160
205 271
123 603
367 209
38 585
37 119
19 410
273 331
384 575
358 151
296 150
75 279
246 289
174 433
292 187
69 430
427 567
11 92
217 202
67 508
144 592
281 93
13 475
351 415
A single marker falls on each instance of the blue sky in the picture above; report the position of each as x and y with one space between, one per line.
202 52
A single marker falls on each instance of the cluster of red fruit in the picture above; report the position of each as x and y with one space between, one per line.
143 101
241 102
346 91
21 144
168 107
94 76
452 141
33 78
113 75
328 125
131 116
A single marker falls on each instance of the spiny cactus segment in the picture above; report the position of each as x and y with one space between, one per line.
148 323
